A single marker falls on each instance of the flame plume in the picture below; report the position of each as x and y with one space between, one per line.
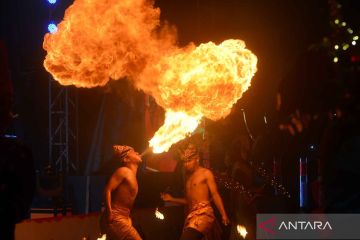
204 81
102 40
112 39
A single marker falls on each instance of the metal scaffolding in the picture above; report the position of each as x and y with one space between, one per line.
63 127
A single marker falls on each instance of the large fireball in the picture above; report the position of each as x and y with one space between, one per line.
102 40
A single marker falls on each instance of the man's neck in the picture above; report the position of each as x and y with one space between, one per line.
189 173
133 167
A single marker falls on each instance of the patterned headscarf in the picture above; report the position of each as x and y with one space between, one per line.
189 153
120 151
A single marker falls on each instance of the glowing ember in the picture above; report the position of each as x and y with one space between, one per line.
242 231
159 215
102 40
103 237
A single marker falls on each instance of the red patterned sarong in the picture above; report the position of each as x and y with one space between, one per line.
201 217
121 227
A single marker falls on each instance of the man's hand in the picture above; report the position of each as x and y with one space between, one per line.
166 197
225 220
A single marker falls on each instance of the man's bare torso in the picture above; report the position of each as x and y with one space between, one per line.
197 189
125 194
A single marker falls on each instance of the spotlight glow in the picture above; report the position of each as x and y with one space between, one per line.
52 1
52 27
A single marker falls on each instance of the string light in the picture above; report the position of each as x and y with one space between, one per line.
272 181
337 21
336 59
52 28
350 31
343 24
336 47
353 43
231 184
355 37
345 46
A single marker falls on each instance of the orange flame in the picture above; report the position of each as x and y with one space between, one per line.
242 231
103 237
176 127
102 40
99 41
159 215
203 81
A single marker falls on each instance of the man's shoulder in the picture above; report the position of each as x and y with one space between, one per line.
204 171
122 171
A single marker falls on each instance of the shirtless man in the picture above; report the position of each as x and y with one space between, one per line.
200 185
120 193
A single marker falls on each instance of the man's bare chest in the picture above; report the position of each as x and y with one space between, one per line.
195 181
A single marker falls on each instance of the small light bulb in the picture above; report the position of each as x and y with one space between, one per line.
337 21
343 24
336 59
355 37
336 47
52 28
353 43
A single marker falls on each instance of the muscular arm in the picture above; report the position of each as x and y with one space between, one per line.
115 180
216 196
